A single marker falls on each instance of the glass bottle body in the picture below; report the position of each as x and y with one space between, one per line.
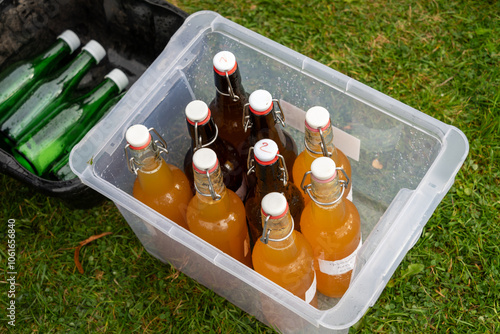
264 126
231 163
161 186
289 262
220 222
334 232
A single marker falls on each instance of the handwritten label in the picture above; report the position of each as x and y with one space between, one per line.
339 267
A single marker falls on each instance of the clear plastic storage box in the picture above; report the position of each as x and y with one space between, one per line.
403 164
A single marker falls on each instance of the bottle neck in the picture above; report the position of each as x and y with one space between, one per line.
148 159
279 230
207 134
224 87
264 126
317 146
328 192
269 178
100 95
55 53
209 186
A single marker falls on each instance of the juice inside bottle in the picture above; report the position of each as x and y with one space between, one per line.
319 118
165 189
334 233
160 185
287 257
217 214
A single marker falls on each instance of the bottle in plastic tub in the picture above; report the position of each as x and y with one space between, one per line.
331 224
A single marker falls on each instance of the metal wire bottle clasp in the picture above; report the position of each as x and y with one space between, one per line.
266 231
211 189
230 89
324 150
278 115
307 188
197 138
159 146
282 167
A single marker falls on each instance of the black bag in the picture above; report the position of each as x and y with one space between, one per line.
133 32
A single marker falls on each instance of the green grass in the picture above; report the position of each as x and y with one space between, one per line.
441 57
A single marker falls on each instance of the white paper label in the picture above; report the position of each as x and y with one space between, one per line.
339 267
311 292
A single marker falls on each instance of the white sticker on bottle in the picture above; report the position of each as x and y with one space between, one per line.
339 267
311 292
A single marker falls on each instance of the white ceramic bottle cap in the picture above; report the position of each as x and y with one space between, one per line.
138 136
204 159
225 61
274 204
96 50
197 111
119 78
265 150
323 169
317 117
261 101
71 39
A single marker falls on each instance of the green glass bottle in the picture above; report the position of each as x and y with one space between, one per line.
39 102
60 169
18 78
40 149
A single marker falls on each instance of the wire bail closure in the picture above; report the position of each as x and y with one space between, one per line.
198 141
324 150
159 146
230 89
266 231
278 115
307 188
212 194
282 167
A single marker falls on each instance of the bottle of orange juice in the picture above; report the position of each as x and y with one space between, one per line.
318 140
331 224
217 214
282 254
160 185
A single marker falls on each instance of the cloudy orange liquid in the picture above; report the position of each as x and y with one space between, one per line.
164 188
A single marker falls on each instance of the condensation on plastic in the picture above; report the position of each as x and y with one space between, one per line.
394 203
133 32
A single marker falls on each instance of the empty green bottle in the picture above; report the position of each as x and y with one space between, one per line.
39 102
18 78
60 169
41 149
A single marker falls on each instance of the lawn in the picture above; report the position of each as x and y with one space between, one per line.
440 57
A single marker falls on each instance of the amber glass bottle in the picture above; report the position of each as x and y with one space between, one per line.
271 176
230 98
263 121
217 214
331 224
318 140
204 133
282 254
160 185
